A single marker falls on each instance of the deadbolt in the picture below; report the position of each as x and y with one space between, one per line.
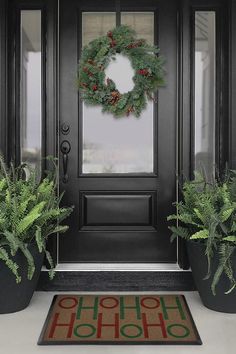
65 128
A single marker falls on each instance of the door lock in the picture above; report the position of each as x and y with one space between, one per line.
65 128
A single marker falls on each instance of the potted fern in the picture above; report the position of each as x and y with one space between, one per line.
29 214
206 219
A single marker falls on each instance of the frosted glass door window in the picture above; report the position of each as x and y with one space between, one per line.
30 88
96 24
123 145
205 87
141 22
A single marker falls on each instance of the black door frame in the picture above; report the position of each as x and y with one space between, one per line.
9 71
225 81
226 90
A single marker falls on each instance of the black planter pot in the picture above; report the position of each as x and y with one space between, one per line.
15 297
198 262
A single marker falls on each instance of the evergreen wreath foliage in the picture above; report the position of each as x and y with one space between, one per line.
95 58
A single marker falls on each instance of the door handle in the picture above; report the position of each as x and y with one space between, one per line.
65 149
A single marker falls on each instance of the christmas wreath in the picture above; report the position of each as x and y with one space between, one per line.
95 58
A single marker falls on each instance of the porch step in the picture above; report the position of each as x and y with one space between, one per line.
117 281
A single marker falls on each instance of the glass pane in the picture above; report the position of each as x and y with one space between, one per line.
113 145
123 145
205 86
141 22
96 24
30 88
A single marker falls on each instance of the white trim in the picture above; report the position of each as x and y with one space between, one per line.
117 267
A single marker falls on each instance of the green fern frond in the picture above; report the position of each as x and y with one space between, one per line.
225 215
13 241
51 263
23 205
224 193
29 219
224 227
172 217
10 264
233 227
30 260
211 242
232 188
2 221
30 211
180 231
8 198
230 239
202 234
59 229
45 188
64 213
199 215
208 213
228 269
230 289
48 215
216 278
39 239
225 253
3 184
188 219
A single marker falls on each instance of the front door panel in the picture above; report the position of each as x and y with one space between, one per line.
118 173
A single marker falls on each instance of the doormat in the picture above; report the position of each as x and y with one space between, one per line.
119 319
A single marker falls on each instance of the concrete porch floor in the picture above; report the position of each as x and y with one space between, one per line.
19 332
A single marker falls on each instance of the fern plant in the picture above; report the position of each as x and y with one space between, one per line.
207 214
30 212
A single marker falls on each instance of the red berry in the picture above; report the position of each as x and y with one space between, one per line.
143 72
94 87
113 43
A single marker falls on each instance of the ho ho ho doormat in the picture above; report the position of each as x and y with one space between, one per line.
119 319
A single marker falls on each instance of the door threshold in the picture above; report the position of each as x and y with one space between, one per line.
117 277
117 267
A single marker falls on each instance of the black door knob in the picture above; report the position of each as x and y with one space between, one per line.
65 147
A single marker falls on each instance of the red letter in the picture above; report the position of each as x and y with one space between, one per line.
150 298
68 298
100 325
109 298
161 324
56 324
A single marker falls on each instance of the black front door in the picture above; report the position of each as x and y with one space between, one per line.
118 173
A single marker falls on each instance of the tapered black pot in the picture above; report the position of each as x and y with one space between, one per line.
15 297
198 262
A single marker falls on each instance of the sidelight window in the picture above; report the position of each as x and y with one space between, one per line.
205 90
30 88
